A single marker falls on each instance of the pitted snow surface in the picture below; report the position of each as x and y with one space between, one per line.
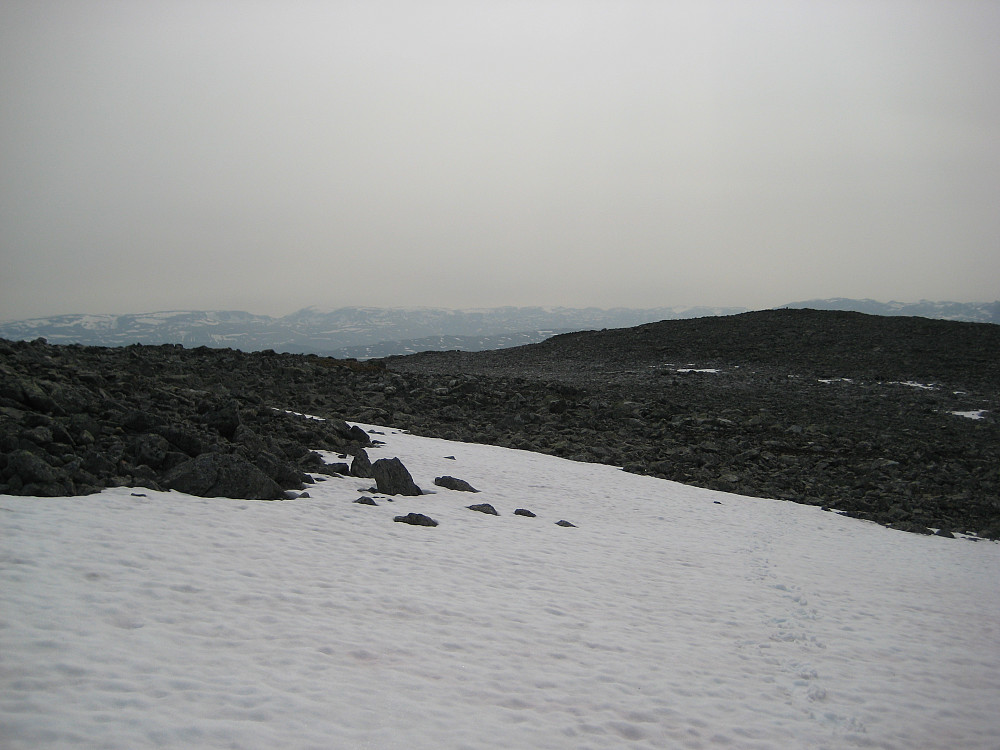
670 617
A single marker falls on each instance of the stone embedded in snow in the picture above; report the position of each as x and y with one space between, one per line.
392 478
565 523
361 466
416 519
524 512
484 508
365 500
451 483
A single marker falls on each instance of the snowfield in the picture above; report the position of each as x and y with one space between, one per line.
671 617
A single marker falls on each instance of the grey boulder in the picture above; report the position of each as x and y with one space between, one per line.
222 475
392 478
451 483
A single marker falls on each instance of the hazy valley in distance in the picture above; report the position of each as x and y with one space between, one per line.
369 332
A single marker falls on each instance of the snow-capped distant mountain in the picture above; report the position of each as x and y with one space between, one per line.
187 327
347 331
365 332
969 312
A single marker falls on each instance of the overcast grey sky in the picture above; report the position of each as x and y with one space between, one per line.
266 156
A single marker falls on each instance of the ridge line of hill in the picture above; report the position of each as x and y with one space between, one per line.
369 332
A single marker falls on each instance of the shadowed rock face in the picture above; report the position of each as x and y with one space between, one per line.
222 475
776 418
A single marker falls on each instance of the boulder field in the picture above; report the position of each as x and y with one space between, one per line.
888 419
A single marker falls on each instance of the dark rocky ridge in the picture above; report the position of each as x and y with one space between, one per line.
763 425
785 342
766 424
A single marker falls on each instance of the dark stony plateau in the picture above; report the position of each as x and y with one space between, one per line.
816 407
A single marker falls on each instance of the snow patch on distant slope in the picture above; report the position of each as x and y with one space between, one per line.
974 414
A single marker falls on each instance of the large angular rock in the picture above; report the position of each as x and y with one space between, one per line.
35 396
280 471
29 468
358 435
361 466
222 475
392 478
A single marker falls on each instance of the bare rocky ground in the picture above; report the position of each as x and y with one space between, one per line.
852 412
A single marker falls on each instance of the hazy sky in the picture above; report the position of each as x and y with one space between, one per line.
266 156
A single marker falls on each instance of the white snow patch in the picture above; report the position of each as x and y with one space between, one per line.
975 414
913 384
300 414
670 617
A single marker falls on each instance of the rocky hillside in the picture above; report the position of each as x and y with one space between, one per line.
868 415
888 419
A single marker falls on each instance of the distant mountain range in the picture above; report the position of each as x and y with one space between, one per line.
365 332
360 332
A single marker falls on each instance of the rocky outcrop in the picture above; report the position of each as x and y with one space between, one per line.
75 419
